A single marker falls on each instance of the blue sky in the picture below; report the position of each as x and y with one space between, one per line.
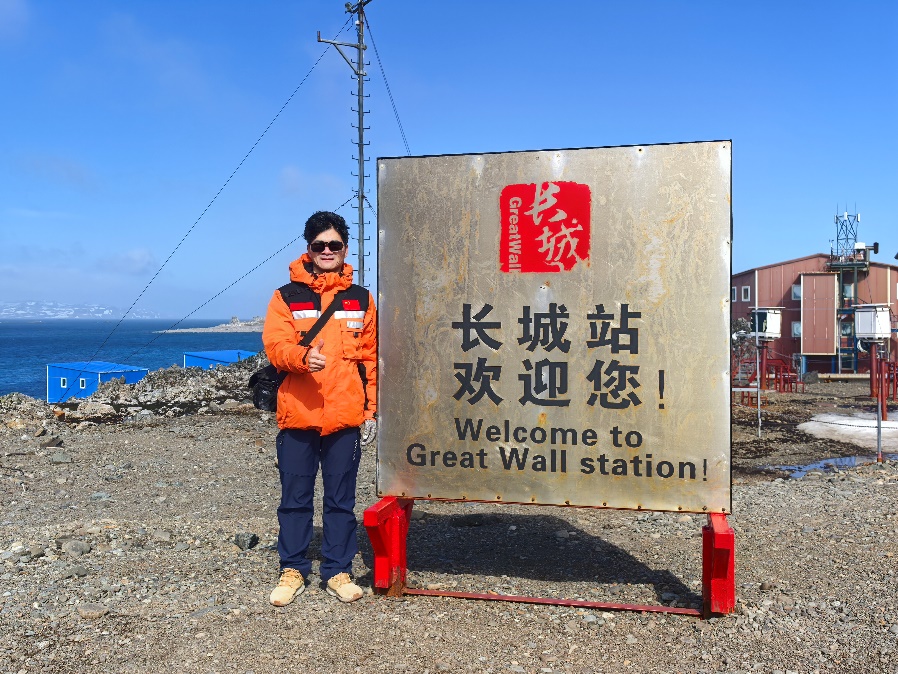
120 122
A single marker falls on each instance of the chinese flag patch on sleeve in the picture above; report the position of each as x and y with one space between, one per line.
351 305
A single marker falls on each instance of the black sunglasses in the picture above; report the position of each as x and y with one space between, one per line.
319 246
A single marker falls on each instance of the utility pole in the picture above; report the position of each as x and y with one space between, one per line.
358 68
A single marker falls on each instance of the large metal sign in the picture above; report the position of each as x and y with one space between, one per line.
554 327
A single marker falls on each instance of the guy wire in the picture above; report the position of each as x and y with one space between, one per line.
389 93
196 222
227 287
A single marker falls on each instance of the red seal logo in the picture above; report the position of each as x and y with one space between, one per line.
545 226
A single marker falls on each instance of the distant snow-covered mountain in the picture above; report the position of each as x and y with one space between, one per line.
48 310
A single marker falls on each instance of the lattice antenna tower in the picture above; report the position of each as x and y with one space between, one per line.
846 234
358 70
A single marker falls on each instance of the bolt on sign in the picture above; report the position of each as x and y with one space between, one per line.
554 327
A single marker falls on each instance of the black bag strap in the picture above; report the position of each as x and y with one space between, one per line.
324 318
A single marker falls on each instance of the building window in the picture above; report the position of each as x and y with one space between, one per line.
796 291
82 383
746 293
733 296
796 328
847 329
848 291
63 382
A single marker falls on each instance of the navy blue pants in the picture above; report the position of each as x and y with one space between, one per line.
299 454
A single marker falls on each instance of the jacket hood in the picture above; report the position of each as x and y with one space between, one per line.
301 272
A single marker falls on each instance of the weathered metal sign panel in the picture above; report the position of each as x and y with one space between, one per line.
554 327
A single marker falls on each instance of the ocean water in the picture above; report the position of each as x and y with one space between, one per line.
27 346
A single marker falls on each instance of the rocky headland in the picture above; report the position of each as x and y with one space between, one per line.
254 324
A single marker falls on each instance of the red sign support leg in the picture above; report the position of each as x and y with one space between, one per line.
718 566
387 525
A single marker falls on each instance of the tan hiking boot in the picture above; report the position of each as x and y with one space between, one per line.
291 584
342 587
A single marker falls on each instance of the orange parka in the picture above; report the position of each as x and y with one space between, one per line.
335 397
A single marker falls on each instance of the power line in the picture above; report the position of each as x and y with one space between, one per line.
228 287
389 93
226 182
208 206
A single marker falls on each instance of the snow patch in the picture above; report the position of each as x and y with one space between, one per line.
858 429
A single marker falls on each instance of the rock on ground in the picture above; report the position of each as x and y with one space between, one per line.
160 585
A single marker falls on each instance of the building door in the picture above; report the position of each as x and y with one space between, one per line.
819 325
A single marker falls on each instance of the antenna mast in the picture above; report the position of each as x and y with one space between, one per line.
358 68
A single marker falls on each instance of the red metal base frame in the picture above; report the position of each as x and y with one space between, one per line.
387 525
718 566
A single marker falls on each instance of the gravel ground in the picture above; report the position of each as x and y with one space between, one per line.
121 522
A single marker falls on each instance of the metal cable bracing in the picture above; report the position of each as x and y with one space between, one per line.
228 287
208 206
835 423
370 207
389 93
820 421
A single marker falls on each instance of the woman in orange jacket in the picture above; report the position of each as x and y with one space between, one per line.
326 406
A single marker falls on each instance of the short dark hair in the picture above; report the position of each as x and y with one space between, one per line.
323 221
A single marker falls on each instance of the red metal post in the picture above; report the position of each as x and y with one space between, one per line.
874 388
895 380
884 389
890 379
893 374
763 373
387 525
718 566
888 374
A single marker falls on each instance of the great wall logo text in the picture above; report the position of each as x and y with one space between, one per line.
545 226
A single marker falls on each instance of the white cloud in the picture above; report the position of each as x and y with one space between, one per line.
134 262
74 274
59 169
62 257
36 214
296 182
67 284
13 19
170 62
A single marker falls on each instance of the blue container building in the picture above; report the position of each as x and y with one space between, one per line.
209 359
79 380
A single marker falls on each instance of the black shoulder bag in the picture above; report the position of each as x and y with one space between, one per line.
266 382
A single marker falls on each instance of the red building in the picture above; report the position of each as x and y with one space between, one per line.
819 295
